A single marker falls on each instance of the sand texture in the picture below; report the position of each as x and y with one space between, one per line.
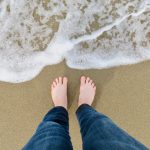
123 94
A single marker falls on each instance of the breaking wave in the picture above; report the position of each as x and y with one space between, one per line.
86 33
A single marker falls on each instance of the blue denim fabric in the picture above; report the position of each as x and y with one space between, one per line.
98 132
52 133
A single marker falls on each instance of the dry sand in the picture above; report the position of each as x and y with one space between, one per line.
123 94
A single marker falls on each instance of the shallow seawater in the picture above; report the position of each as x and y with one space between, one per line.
86 33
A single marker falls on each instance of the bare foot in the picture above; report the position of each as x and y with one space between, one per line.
59 91
87 91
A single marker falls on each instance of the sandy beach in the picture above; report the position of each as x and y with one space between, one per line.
123 93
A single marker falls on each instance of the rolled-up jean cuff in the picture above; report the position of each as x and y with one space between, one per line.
58 110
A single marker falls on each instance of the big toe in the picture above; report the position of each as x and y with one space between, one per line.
83 80
60 80
65 80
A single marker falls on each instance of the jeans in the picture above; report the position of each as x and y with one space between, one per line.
97 130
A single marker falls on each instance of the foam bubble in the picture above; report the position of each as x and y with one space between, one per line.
87 34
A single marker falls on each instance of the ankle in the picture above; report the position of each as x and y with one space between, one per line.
61 106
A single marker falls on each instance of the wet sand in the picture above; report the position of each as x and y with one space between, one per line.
123 94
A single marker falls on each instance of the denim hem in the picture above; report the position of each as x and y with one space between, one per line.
82 107
57 110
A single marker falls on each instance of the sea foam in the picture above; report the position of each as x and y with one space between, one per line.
87 34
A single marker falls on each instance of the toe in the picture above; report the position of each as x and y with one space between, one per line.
94 87
56 80
93 84
65 80
60 80
83 80
54 83
90 81
87 80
